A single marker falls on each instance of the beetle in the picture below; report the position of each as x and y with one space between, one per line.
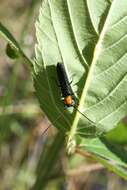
66 89
65 85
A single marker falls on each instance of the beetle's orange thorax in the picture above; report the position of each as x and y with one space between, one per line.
68 101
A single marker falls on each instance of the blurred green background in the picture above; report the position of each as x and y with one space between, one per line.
22 146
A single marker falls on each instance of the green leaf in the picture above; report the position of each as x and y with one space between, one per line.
89 37
114 157
118 135
15 50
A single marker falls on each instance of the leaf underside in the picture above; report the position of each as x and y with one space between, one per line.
90 38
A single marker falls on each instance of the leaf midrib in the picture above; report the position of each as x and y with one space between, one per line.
96 54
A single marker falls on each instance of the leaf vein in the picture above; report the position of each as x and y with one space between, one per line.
111 92
115 43
113 65
92 22
74 36
47 35
119 21
116 110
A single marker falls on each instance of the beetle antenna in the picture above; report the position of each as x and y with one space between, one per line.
45 130
83 114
